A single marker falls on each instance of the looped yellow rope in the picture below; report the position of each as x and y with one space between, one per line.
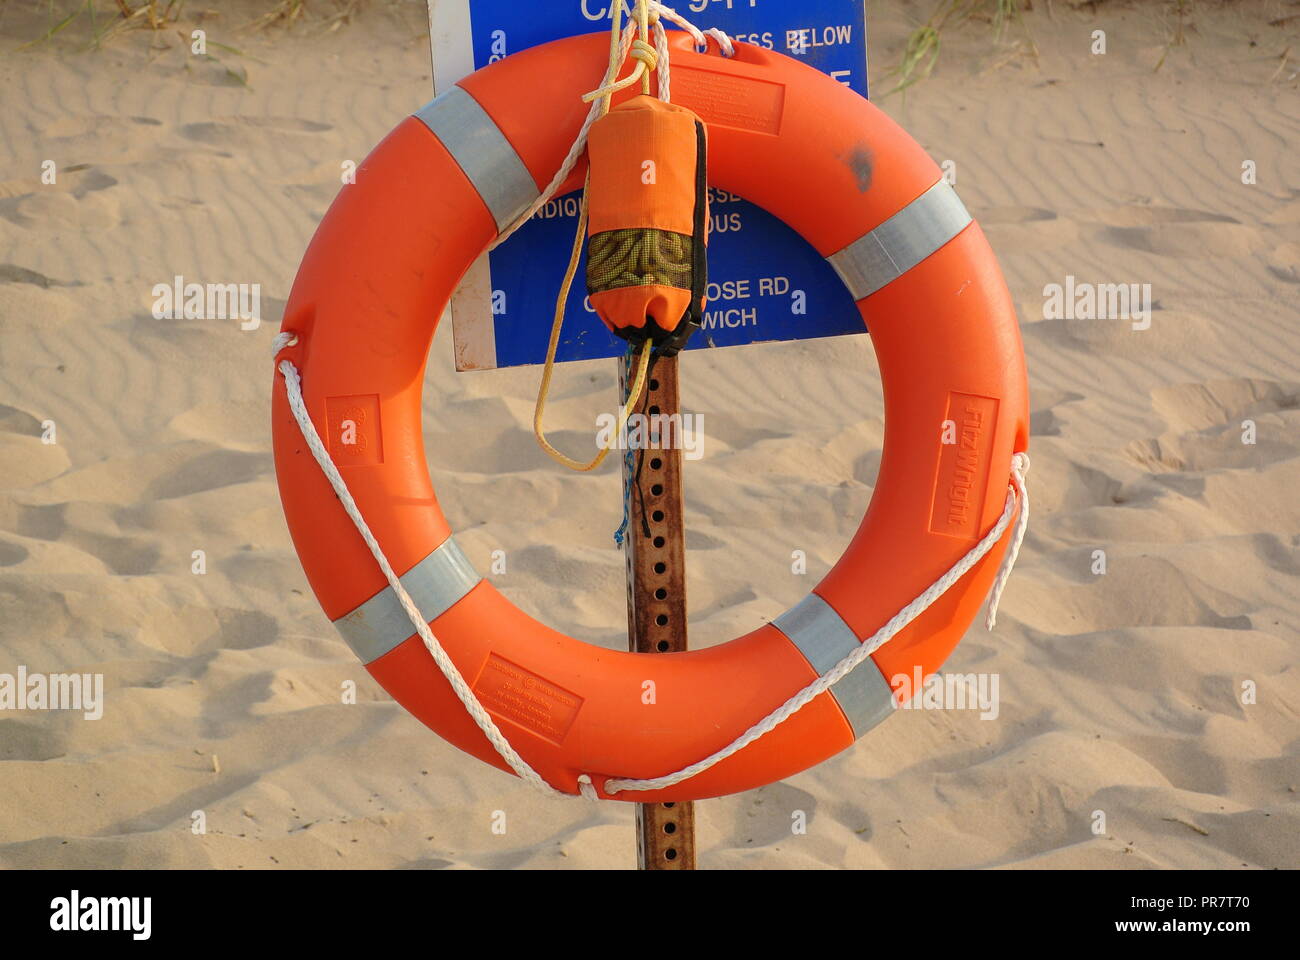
647 59
647 62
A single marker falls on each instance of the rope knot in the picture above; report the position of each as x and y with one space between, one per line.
587 789
645 53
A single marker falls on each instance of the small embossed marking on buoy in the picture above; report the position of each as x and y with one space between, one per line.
353 434
962 480
518 694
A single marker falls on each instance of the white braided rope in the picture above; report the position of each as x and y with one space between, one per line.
662 74
724 41
1019 466
293 388
1021 461
575 151
1017 490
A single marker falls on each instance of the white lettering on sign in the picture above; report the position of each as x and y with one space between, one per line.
731 319
726 223
563 207
764 40
728 290
799 42
746 281
699 6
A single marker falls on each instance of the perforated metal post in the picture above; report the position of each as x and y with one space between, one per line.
656 597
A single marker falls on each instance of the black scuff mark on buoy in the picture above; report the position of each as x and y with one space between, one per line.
863 164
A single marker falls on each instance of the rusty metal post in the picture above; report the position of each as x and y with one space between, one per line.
656 596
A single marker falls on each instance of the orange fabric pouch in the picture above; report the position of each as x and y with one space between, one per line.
648 201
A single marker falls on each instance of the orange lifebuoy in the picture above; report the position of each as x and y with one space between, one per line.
376 278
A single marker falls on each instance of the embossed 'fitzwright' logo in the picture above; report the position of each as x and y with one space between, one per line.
968 462
961 481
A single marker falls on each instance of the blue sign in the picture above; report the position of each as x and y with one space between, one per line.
765 281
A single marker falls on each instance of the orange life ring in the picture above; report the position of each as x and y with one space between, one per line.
376 278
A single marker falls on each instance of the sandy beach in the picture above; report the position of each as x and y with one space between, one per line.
1161 693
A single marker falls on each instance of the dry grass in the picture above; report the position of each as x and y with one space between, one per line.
1174 19
288 12
921 52
91 24
100 21
109 20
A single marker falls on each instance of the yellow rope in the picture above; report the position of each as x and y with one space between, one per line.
642 366
647 61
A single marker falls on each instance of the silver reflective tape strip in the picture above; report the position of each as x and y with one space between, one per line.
477 144
825 639
902 241
435 584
